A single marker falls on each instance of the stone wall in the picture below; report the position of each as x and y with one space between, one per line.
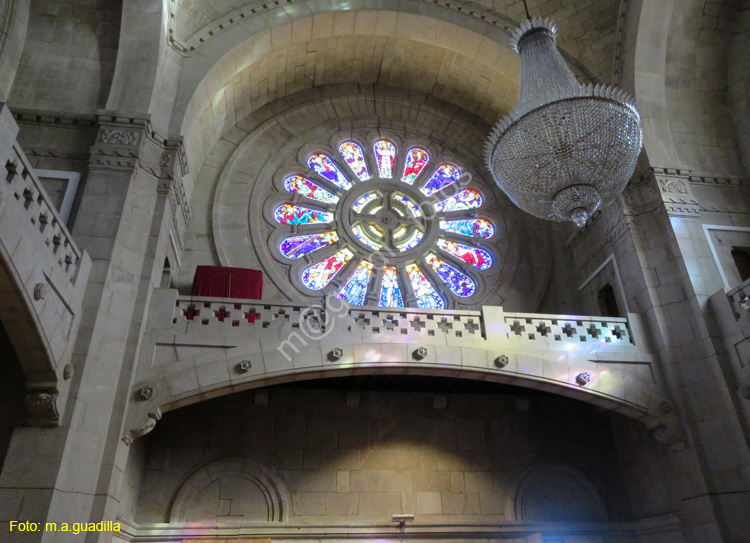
69 57
696 84
361 457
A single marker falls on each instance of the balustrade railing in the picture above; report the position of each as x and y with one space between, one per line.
569 329
739 299
227 314
22 189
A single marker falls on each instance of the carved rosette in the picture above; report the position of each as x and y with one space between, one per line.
674 186
116 136
420 353
41 409
336 354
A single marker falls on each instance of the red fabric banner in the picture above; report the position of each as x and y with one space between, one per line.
224 282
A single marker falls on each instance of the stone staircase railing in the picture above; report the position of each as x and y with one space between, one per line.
44 275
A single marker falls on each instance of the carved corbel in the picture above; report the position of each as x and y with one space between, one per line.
141 431
41 409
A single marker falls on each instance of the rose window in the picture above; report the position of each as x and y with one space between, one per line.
384 228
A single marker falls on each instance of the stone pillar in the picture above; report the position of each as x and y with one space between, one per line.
713 471
132 214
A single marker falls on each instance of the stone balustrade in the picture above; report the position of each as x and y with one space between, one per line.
739 299
197 348
42 279
732 313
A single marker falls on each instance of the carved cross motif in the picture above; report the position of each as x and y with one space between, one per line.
517 328
390 323
362 321
444 325
618 332
543 329
417 324
471 326
568 330
593 331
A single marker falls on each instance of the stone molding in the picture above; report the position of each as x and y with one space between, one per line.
125 143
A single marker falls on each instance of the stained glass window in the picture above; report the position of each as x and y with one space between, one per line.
411 242
466 199
299 246
319 275
325 167
390 289
411 206
427 296
416 160
385 216
459 283
355 158
364 238
385 156
361 202
354 290
291 214
443 177
475 228
304 187
479 258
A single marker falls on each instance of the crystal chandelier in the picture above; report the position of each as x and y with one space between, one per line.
567 148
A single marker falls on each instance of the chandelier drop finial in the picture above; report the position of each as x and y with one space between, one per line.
567 148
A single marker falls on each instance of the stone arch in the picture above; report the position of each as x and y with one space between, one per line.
14 17
311 117
236 477
681 89
556 492
469 70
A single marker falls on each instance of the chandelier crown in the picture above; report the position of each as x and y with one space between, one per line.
567 147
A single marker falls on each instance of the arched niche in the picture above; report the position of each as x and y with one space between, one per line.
231 491
557 493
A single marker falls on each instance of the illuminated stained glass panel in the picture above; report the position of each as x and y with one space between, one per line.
355 158
443 177
363 200
411 206
466 199
354 290
479 258
475 228
385 156
411 242
319 275
390 289
304 187
325 167
459 283
427 296
416 160
364 238
291 214
299 246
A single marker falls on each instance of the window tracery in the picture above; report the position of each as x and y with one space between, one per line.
370 235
